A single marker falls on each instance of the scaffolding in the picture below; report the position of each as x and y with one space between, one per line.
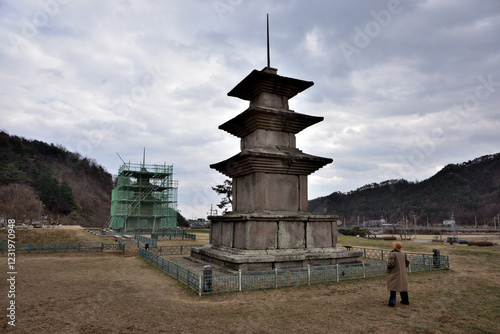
145 198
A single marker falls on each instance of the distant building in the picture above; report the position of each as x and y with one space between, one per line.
448 222
376 222
199 223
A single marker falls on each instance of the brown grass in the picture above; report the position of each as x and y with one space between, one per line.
24 235
112 293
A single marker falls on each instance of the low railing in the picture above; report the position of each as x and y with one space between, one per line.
173 250
145 240
173 235
186 276
62 246
416 259
243 281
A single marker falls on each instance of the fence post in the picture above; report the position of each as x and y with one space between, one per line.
29 247
337 269
364 273
239 280
276 278
409 268
382 251
79 246
207 278
181 250
364 252
199 285
55 246
102 246
308 274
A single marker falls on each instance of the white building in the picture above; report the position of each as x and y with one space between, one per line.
448 222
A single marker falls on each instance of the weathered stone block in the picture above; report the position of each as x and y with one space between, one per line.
255 235
215 233
267 138
239 236
291 234
261 192
261 235
227 229
319 234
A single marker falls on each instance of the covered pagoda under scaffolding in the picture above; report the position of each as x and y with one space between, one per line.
145 198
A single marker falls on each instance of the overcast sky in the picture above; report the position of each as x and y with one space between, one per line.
405 87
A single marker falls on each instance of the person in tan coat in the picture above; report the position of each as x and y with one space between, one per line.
397 280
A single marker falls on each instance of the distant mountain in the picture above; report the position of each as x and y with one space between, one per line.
74 187
470 190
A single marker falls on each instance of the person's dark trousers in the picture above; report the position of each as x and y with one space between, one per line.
404 298
392 298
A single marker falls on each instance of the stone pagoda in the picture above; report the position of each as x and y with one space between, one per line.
270 226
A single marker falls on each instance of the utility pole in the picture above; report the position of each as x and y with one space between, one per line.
453 224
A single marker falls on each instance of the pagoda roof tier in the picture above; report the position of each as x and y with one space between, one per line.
278 160
265 81
268 119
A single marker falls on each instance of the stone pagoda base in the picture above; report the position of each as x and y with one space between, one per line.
254 242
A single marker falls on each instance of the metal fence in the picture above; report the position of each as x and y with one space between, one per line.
113 232
146 240
186 276
172 250
173 235
418 261
240 281
63 246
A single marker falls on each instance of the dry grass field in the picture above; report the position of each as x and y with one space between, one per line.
116 293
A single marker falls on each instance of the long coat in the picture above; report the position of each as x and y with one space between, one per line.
396 271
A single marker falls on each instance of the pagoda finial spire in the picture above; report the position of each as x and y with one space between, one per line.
268 51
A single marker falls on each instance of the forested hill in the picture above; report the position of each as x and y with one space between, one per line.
469 190
74 187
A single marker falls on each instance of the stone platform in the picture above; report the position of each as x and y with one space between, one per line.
253 242
263 260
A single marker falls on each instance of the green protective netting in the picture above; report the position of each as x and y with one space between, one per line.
145 198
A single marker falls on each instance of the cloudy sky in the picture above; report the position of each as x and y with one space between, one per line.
405 87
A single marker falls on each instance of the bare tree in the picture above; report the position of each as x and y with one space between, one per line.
19 202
